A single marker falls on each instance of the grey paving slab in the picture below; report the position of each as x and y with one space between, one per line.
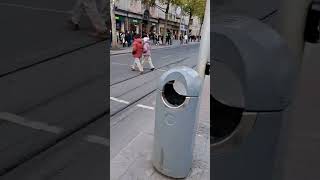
127 125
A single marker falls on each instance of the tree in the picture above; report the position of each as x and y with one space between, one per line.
168 3
113 25
148 4
194 8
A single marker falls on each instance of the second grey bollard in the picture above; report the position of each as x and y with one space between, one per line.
175 121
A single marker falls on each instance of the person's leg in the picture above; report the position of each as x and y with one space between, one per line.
90 7
144 59
133 66
77 12
138 64
150 62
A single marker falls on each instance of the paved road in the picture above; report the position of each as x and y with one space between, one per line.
128 86
53 122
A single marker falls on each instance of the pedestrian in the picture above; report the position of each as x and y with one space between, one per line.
147 53
181 39
137 51
186 38
129 38
123 37
90 8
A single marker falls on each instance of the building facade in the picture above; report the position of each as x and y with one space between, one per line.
132 15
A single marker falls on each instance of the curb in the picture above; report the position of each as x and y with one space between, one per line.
165 47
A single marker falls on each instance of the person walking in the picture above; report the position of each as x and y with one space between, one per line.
137 51
186 38
128 39
90 8
181 39
147 53
123 38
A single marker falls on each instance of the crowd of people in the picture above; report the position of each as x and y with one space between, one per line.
126 38
141 50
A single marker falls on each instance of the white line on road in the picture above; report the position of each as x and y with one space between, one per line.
119 100
161 70
98 140
33 8
145 107
120 64
31 124
165 57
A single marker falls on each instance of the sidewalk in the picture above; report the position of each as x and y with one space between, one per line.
175 43
131 142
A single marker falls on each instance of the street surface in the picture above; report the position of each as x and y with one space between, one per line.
53 107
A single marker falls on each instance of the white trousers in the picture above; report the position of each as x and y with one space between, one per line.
148 59
137 63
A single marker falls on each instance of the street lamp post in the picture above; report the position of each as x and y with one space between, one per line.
204 53
291 23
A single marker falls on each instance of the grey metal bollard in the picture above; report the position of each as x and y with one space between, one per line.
254 77
175 121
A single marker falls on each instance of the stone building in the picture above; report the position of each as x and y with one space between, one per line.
132 15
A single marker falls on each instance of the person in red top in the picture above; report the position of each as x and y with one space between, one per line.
137 51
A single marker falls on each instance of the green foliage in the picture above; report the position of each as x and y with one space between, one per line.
194 7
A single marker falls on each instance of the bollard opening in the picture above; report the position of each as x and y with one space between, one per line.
224 121
173 94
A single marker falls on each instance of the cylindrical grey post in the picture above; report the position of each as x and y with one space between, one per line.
204 53
291 23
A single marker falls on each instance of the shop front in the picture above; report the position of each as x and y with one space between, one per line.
120 23
134 25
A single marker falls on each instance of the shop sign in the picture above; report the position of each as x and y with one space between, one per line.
182 27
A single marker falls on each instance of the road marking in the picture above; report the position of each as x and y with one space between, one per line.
31 124
33 8
119 100
165 57
120 64
145 107
98 140
162 70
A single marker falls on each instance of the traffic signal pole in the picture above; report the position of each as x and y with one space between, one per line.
291 23
204 52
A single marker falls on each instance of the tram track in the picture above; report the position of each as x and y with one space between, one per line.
132 103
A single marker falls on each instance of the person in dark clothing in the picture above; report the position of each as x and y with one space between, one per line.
127 38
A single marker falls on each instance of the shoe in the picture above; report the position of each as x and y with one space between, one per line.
133 69
73 25
152 69
141 72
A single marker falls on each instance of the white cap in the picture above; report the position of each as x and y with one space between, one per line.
145 39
